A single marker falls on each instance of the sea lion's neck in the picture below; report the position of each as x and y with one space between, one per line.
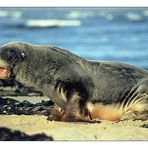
37 72
44 60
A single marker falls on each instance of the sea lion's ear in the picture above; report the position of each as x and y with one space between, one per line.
23 55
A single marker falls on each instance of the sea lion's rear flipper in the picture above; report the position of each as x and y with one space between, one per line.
137 106
135 116
143 116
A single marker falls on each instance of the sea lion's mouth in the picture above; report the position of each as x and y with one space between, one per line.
4 73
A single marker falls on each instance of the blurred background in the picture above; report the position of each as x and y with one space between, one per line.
117 34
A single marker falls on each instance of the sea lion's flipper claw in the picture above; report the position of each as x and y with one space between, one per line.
128 116
143 116
96 120
56 114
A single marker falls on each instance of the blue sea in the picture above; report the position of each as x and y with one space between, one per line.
112 34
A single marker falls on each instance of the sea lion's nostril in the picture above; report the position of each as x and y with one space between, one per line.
4 73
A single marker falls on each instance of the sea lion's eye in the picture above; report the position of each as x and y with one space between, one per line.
12 56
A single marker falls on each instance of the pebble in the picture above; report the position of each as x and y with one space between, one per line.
10 106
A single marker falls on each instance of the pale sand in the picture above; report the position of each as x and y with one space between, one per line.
106 130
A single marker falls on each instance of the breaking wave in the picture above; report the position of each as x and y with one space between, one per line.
134 16
35 24
52 23
12 14
130 16
78 14
109 15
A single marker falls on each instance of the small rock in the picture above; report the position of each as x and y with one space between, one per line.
45 113
11 106
144 126
26 103
37 108
47 103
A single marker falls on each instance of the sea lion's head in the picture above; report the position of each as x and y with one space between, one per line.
11 56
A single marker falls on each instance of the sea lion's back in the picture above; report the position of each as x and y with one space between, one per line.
112 79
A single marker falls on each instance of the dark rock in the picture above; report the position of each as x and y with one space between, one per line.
2 102
38 104
144 126
47 103
10 106
10 135
10 82
45 112
20 89
37 108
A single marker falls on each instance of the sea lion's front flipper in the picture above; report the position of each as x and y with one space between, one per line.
73 107
75 110
57 113
70 115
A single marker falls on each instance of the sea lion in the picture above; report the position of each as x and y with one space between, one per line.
82 90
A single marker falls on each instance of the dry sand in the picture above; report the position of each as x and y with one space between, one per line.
37 124
106 130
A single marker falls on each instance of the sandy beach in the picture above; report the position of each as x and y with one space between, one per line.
32 124
95 34
36 124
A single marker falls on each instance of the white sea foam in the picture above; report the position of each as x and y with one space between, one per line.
13 14
131 16
78 14
145 12
16 14
52 23
106 15
110 15
4 13
134 16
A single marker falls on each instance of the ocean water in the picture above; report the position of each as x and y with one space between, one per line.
112 34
